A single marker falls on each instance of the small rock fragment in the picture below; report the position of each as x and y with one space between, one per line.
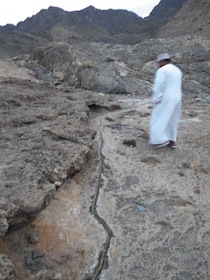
130 143
141 209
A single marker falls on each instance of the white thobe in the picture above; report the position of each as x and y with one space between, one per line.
167 97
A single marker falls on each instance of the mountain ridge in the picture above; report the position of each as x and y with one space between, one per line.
89 24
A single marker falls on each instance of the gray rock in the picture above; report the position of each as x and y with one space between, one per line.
38 153
7 269
32 237
97 67
47 275
3 227
35 260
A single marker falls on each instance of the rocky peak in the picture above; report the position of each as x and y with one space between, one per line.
160 15
90 9
45 19
166 9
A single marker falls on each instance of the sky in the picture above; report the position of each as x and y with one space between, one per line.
14 11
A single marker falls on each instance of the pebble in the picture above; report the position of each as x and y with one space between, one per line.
141 209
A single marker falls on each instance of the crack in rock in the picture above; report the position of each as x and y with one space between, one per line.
103 256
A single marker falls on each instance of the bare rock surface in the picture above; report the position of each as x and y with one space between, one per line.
119 69
156 201
83 195
132 211
45 139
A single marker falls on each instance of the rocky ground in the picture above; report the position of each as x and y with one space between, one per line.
84 196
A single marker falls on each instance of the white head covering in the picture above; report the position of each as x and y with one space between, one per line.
163 56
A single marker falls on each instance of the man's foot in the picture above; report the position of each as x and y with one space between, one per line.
172 144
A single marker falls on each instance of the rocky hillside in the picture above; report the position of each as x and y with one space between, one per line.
166 9
192 19
160 15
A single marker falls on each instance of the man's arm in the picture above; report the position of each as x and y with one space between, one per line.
158 86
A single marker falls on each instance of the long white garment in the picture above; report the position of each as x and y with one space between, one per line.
167 96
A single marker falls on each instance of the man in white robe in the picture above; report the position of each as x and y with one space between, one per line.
166 98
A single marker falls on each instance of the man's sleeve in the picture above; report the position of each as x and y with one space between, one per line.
158 86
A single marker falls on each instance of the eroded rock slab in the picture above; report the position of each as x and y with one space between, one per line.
44 140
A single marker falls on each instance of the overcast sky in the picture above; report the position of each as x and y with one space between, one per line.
14 11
